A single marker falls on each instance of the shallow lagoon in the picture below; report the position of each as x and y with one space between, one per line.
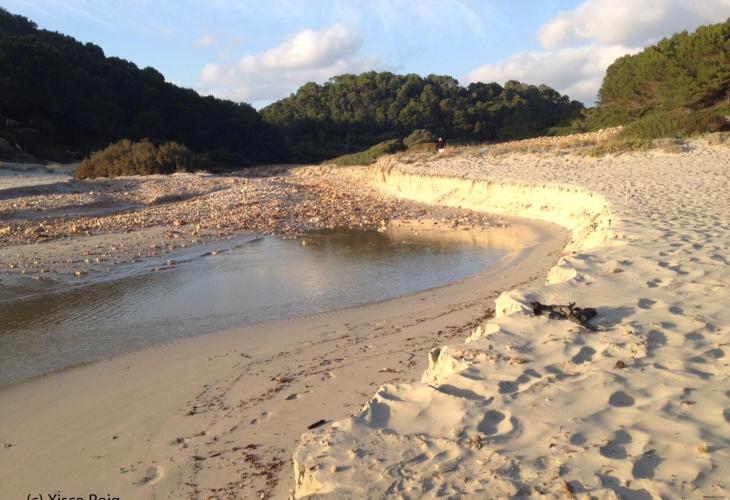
46 327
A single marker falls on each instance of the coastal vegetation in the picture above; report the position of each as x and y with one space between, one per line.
685 71
369 155
679 87
419 136
137 158
61 99
352 112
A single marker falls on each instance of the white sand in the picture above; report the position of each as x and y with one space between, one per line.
530 406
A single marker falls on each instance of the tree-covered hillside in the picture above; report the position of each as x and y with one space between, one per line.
688 71
57 93
352 112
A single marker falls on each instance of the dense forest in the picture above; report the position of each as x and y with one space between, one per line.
59 95
61 99
687 72
352 112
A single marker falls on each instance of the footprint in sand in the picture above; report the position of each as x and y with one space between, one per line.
529 375
585 354
615 447
655 340
694 336
578 439
645 303
264 416
654 283
152 476
676 310
646 464
490 422
507 387
715 353
296 395
614 484
499 425
620 399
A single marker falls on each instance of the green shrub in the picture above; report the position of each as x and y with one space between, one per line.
418 136
687 70
676 123
679 123
368 156
137 158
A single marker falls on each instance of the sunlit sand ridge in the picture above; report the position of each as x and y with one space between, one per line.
528 405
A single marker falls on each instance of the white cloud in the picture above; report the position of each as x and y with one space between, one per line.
308 49
576 71
630 21
205 41
580 44
306 56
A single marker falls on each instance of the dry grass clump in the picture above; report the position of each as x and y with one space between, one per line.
369 155
672 145
718 139
423 147
676 124
137 158
573 142
418 137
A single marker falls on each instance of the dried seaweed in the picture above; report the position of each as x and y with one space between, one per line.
580 315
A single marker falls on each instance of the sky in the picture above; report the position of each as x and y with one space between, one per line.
261 51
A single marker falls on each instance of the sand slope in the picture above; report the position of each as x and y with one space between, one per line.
531 406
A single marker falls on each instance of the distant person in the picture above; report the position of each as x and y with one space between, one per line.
440 145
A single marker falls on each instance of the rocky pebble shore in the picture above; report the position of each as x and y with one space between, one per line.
76 228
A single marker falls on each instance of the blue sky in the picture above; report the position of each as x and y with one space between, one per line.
260 51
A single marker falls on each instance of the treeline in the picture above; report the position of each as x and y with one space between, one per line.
60 98
680 78
57 94
353 112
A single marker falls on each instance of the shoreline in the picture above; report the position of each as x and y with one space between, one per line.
510 239
386 331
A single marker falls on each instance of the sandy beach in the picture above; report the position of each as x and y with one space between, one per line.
466 391
219 416
636 406
340 250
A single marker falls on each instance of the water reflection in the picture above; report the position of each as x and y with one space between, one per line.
264 279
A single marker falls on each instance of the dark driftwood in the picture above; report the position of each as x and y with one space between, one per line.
318 423
580 315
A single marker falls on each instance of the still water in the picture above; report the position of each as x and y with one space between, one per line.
45 328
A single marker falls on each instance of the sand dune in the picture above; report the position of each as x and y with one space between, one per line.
531 406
